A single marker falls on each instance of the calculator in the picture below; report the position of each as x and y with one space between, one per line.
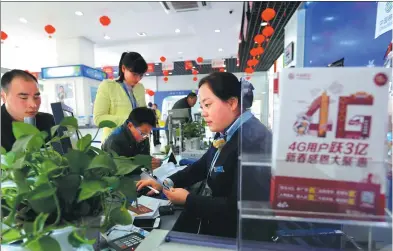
126 243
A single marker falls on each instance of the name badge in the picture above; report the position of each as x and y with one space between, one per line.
219 169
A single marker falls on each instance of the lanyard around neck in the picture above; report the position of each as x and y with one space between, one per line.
129 93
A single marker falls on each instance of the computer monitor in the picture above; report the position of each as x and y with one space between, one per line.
182 115
60 111
338 63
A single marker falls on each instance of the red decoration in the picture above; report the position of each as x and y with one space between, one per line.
254 52
268 31
4 36
150 92
195 79
194 72
105 20
199 60
166 79
222 70
108 70
162 59
268 14
249 70
252 62
188 65
259 39
259 50
248 78
150 67
50 30
165 73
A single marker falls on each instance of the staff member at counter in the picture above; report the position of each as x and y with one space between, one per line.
116 98
220 96
22 99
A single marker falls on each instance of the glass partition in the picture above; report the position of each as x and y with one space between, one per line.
320 179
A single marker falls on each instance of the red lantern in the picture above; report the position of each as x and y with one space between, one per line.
249 70
188 65
254 52
4 36
252 62
268 31
195 79
194 72
166 73
268 14
259 50
248 78
259 39
150 92
105 20
222 70
166 79
199 60
50 30
150 67
162 59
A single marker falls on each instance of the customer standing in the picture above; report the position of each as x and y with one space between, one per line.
156 132
117 98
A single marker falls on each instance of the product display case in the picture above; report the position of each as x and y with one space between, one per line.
324 183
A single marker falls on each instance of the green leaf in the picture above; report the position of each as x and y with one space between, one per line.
128 188
84 142
22 129
121 216
39 223
48 165
144 160
76 239
28 143
41 179
44 243
28 227
7 160
70 121
10 235
41 199
53 131
2 150
67 187
90 187
125 166
97 150
107 123
103 161
113 182
78 161
41 192
20 179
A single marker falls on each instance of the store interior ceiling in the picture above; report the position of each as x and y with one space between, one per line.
210 32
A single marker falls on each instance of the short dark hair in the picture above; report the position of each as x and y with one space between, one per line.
225 85
142 115
7 78
191 95
155 105
150 104
132 61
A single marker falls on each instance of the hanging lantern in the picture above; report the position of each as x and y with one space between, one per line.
248 78
150 92
105 20
199 60
194 72
249 70
195 79
268 31
253 52
166 79
162 59
165 73
50 30
4 36
188 65
222 70
268 14
259 39
259 50
252 62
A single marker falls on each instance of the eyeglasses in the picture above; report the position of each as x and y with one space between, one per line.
143 135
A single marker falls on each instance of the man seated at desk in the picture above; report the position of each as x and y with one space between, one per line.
132 138
21 97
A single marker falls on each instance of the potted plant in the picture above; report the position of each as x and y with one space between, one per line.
47 191
193 133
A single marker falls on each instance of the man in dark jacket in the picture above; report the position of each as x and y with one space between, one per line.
184 103
21 97
132 138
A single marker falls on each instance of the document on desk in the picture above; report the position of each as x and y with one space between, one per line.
166 170
147 207
118 231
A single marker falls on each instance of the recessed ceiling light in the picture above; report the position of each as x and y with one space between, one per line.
170 73
107 37
79 13
219 49
193 67
217 30
147 74
22 20
177 30
141 34
157 64
180 52
264 24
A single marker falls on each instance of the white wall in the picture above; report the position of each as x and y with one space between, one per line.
295 32
75 51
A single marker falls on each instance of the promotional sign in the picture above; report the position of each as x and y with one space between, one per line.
384 22
73 71
168 66
288 54
329 147
218 63
150 67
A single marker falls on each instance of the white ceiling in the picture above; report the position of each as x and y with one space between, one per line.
197 36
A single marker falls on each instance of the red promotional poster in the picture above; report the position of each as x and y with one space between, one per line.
188 65
108 70
150 67
329 148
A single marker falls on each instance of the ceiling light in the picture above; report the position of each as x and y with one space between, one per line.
79 13
328 18
107 37
225 65
264 23
22 20
219 49
177 30
193 67
180 52
225 70
157 64
147 74
170 73
217 30
141 34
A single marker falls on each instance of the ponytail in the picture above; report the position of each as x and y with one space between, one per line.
121 73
